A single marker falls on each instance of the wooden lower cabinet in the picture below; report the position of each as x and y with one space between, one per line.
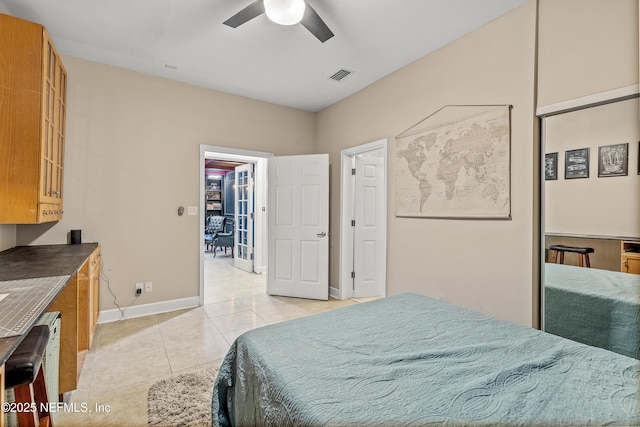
630 254
94 294
87 297
631 264
78 307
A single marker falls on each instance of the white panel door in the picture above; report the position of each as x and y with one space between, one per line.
298 217
368 256
243 216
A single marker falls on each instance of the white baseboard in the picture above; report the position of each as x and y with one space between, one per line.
113 315
334 293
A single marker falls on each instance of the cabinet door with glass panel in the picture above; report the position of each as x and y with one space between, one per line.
33 86
54 85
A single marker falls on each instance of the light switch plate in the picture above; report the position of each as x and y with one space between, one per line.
192 210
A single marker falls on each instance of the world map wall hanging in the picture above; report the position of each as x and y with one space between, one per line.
456 164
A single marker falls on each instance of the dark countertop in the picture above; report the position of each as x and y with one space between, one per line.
32 262
29 262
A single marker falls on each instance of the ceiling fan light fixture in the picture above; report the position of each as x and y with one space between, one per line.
284 12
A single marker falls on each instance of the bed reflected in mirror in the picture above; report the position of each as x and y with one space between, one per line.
591 226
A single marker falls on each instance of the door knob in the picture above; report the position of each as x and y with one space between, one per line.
321 234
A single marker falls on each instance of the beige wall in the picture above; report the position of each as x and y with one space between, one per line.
132 158
485 265
589 47
586 47
594 206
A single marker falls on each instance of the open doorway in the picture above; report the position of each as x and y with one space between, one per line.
233 191
361 250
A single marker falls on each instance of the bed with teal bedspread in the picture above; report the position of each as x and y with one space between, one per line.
411 360
593 306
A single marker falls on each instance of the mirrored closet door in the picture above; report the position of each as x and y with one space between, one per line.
591 225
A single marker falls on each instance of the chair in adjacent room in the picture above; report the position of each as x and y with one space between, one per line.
24 374
226 239
213 226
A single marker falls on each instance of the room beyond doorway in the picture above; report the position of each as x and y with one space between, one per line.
229 210
218 156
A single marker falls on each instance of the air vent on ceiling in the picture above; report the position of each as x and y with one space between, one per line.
339 75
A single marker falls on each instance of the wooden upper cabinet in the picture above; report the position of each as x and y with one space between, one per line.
33 85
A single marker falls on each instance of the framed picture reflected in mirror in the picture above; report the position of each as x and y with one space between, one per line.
613 160
551 166
576 163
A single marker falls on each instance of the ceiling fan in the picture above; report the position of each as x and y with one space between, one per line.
284 12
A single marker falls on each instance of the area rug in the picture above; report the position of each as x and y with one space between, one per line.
183 400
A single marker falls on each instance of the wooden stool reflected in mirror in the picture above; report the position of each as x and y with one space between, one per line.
583 254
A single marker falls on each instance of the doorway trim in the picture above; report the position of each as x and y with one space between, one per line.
259 158
346 230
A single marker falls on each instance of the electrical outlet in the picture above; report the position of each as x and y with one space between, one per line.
148 286
139 288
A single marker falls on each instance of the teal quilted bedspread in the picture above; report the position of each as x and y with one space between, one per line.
595 307
409 360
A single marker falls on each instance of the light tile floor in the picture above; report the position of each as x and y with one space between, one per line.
128 356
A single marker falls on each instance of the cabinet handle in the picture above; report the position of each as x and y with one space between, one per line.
52 212
57 193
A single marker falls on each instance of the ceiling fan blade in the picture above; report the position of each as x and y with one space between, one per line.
248 13
312 22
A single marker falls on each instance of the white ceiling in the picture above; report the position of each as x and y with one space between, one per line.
185 40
